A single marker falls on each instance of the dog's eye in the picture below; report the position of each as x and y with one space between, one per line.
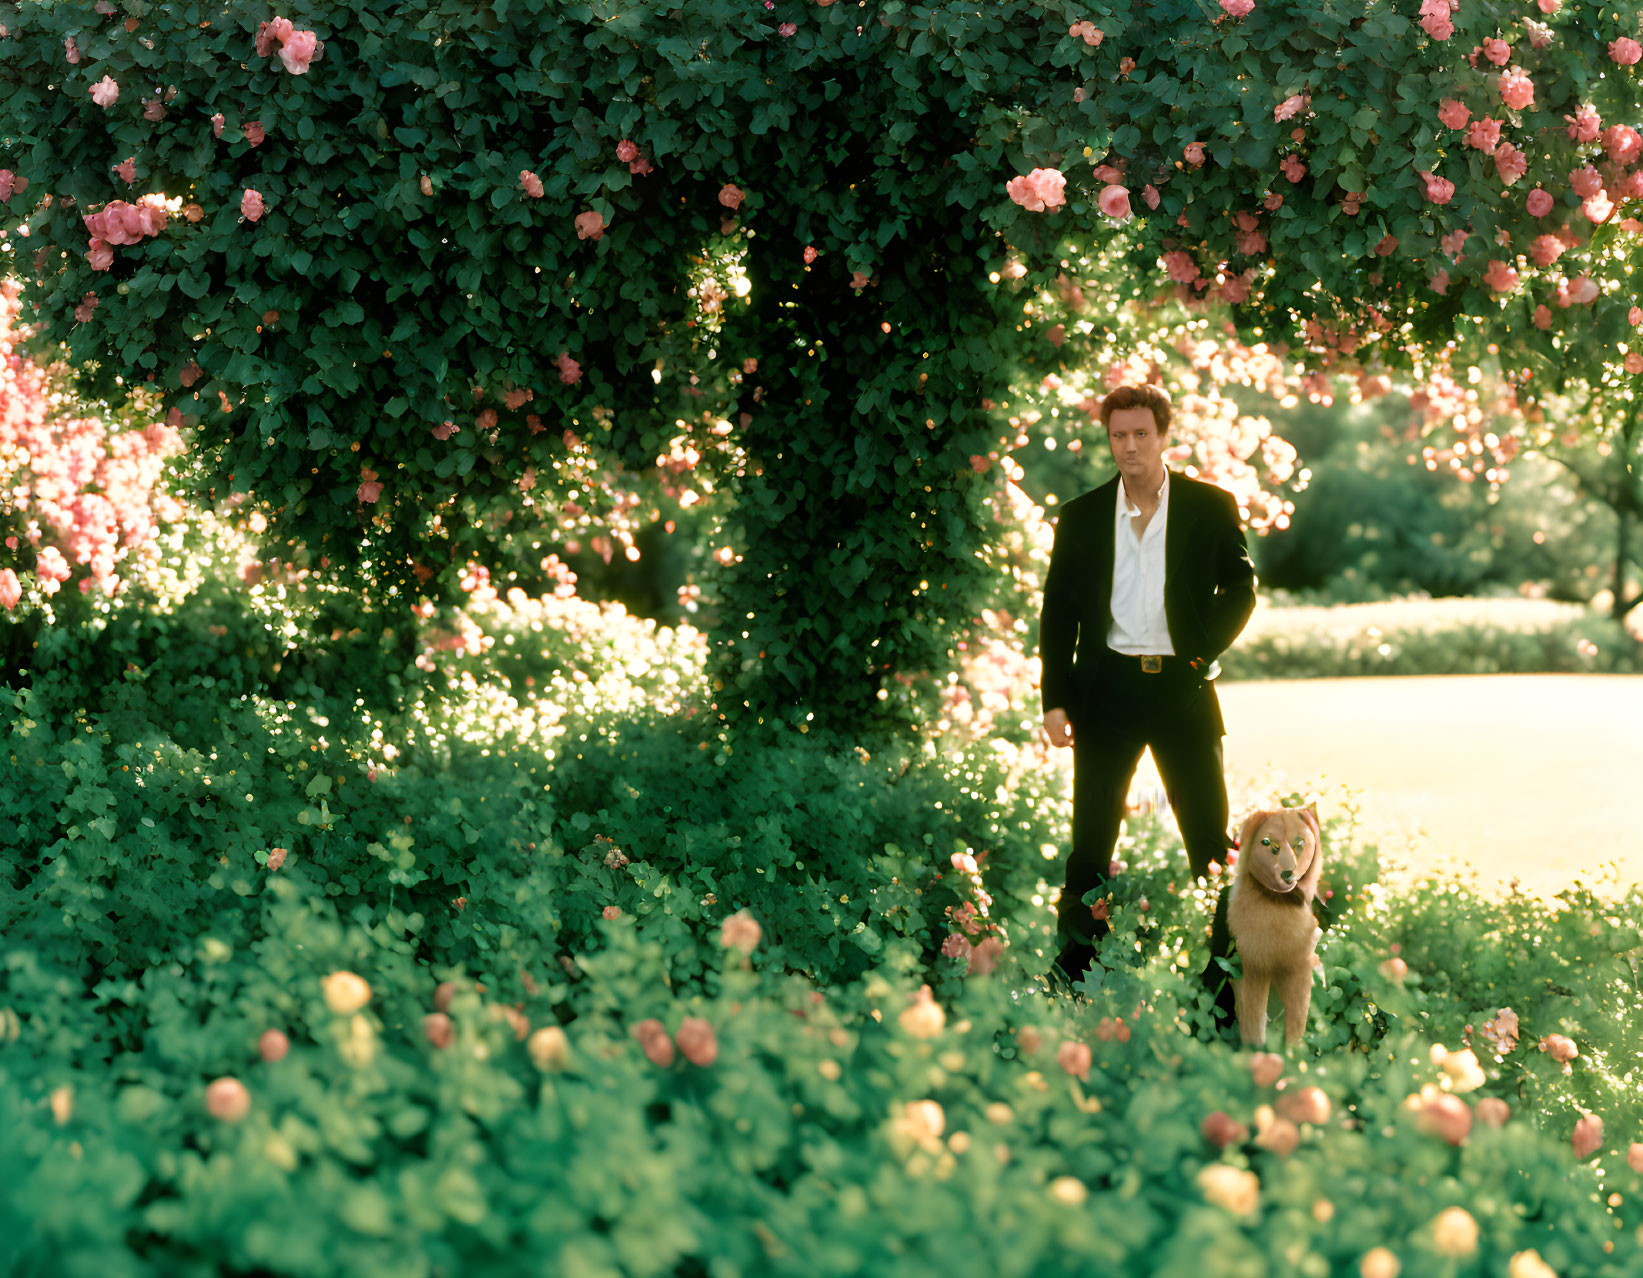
1300 843
1266 843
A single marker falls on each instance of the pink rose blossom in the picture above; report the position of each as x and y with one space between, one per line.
1598 208
589 225
626 152
254 134
1114 201
1387 246
1039 190
530 184
1585 182
731 196
1150 196
101 256
8 183
298 51
72 51
1288 108
1626 51
217 122
126 170
1510 163
1273 202
1634 317
1540 35
1549 7
153 110
1435 19
1634 362
1293 169
1439 283
11 590
105 93
570 372
1546 249
1453 114
1194 153
1588 1136
1438 190
1235 288
1181 266
956 946
1251 243
1622 144
1239 8
1543 317
786 29
1539 203
1584 125
1500 277
1580 291
250 205
371 487
1517 90
1497 51
809 254
1484 135
1091 34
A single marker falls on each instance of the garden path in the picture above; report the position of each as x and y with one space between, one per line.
1538 777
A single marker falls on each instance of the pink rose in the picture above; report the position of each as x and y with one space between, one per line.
1549 7
1516 89
1293 169
1240 8
1235 289
72 51
1500 277
8 184
1180 266
1634 317
1484 135
1588 1134
1251 243
298 51
1288 108
105 93
1634 362
1439 283
626 152
1453 114
1581 291
1194 153
1438 190
1114 201
1584 125
1510 163
250 205
1598 208
731 196
530 183
11 590
1088 32
1540 35
101 256
1497 51
1039 190
786 29
1273 202
1150 196
1586 182
1622 144
570 372
126 170
1435 19
254 134
1539 203
1626 51
217 122
809 254
1546 249
1543 317
1388 245
589 226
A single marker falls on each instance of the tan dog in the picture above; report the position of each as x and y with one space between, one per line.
1269 916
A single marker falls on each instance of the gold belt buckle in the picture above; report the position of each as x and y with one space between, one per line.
1152 665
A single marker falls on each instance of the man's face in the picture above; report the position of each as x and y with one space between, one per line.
1137 444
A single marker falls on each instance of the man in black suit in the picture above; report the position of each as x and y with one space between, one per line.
1149 582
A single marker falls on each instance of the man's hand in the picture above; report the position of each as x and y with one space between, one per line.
1057 728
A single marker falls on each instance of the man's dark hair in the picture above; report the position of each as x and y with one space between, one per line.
1153 397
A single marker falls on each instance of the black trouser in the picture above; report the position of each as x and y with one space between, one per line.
1177 716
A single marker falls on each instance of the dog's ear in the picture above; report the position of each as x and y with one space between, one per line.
1251 824
1309 814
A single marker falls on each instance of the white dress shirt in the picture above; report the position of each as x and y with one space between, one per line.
1138 625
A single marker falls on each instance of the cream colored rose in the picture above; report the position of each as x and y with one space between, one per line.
1454 1232
549 1048
346 993
1378 1262
1238 1191
1528 1264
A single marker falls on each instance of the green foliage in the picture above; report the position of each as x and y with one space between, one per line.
1587 644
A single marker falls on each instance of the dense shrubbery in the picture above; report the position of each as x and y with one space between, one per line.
805 1109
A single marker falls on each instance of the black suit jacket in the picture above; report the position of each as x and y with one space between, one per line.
1209 585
